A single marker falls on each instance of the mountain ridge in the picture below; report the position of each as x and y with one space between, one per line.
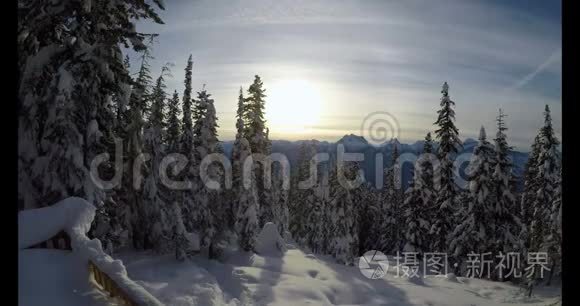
358 144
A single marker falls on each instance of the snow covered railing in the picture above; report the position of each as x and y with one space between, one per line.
110 285
74 216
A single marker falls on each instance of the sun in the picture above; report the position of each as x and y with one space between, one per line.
293 105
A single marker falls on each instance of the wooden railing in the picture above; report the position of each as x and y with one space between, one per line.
109 285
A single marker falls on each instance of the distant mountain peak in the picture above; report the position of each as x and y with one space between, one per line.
353 139
469 141
391 142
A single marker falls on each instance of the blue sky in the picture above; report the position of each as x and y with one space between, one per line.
367 56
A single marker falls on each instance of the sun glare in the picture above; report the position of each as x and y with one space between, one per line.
293 106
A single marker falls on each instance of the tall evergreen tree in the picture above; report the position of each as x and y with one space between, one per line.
547 179
246 199
446 134
303 199
186 103
548 167
241 113
418 201
255 124
507 224
344 234
529 193
207 215
71 68
205 127
189 174
171 143
66 56
475 231
140 96
112 222
232 194
173 124
530 183
257 135
389 239
155 206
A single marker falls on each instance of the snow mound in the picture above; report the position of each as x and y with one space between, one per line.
270 242
37 225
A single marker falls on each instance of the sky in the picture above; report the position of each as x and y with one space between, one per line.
327 65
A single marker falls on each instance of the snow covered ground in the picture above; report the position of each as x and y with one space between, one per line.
281 274
297 278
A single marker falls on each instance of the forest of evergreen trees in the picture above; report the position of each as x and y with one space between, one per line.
77 100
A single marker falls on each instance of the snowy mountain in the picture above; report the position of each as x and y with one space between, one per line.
353 141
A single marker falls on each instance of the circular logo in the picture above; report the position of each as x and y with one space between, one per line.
378 127
373 264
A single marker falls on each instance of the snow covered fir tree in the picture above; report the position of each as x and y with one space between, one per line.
446 193
161 163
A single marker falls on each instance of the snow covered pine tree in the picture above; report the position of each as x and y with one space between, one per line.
446 134
547 180
154 205
302 198
344 230
209 213
245 196
475 231
418 202
507 224
71 65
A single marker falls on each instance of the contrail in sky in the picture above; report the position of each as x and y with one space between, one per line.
554 56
